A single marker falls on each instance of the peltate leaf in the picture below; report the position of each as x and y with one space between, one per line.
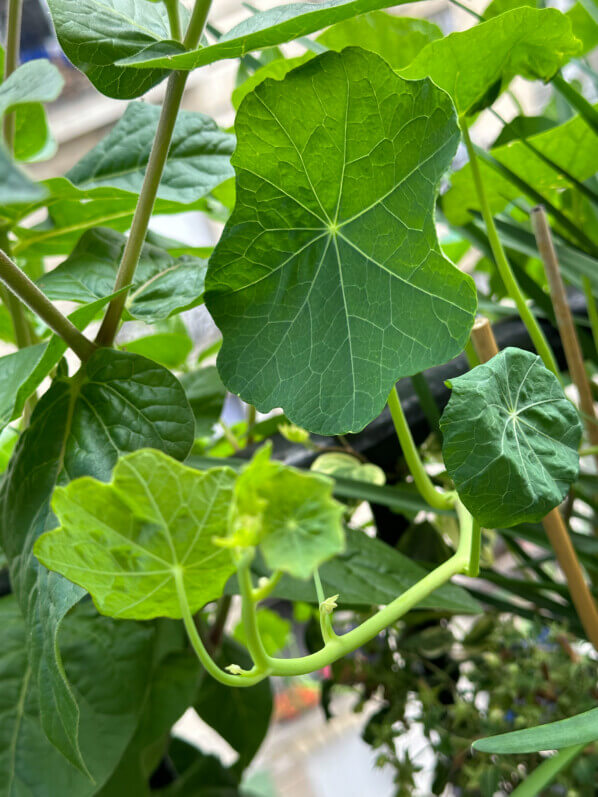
337 217
346 465
107 664
124 541
510 439
581 729
198 157
94 34
162 286
530 42
117 403
289 513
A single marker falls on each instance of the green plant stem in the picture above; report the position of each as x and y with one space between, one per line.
592 308
504 269
151 182
470 354
328 633
543 775
20 284
590 451
263 591
243 679
11 59
174 19
18 318
340 646
584 108
423 483
248 613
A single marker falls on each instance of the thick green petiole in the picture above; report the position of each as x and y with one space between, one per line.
248 613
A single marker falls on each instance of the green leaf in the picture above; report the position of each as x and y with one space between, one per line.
273 629
240 716
371 573
572 146
581 729
289 513
474 65
584 27
8 440
396 39
170 349
24 370
107 663
126 541
94 34
15 187
338 464
35 81
264 29
162 285
199 774
206 395
325 214
510 439
198 157
117 403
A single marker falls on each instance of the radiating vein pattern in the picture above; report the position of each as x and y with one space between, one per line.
510 439
328 283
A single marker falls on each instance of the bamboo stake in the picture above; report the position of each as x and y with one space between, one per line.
485 345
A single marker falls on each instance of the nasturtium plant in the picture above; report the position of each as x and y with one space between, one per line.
141 505
339 217
511 439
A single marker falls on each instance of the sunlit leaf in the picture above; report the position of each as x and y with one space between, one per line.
510 439
337 217
347 466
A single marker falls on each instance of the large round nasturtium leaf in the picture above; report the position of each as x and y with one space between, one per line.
511 439
328 283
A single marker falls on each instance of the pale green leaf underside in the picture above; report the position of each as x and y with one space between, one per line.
581 729
510 439
264 29
162 285
533 43
330 261
124 541
35 81
198 157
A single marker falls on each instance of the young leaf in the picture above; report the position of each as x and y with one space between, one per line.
125 541
290 514
107 663
325 214
474 65
198 157
582 729
117 403
206 395
264 29
510 439
337 464
170 349
572 146
162 286
94 34
35 81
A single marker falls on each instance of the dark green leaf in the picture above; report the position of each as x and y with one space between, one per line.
325 214
533 43
198 157
206 395
582 729
126 541
162 285
117 403
510 439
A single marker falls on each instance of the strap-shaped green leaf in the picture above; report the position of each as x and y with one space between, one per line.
124 541
474 65
163 285
116 404
581 729
330 262
510 439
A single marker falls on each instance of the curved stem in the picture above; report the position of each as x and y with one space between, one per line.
20 284
11 59
423 483
504 269
328 633
242 679
248 614
151 181
263 591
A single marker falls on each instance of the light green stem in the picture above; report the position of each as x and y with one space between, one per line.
248 613
151 182
265 590
543 775
243 679
423 483
174 19
11 59
592 308
328 633
504 269
28 292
